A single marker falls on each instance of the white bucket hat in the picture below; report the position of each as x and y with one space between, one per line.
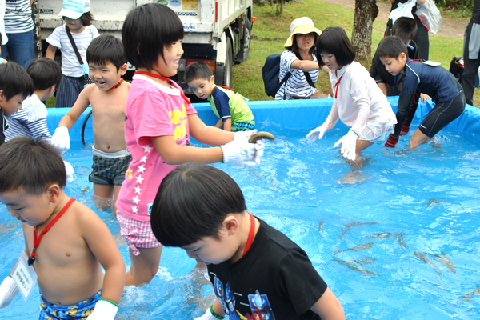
301 26
74 9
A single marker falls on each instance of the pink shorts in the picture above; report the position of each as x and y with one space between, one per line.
138 234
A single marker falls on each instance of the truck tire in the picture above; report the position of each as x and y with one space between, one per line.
244 50
227 75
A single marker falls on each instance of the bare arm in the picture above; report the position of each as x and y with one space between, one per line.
328 307
227 125
83 101
51 52
103 246
304 65
172 153
218 309
383 87
208 135
219 124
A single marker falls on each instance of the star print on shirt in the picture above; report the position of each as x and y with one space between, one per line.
144 159
139 179
136 200
147 149
141 168
134 209
137 190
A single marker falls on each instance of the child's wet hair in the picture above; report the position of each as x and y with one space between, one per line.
191 204
197 70
147 31
391 47
334 40
44 73
31 165
14 80
404 28
86 18
104 49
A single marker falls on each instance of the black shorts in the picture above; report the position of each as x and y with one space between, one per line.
109 171
442 114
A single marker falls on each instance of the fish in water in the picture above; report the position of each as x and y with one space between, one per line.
399 237
356 248
468 295
320 227
433 202
350 265
422 257
445 260
354 224
380 235
85 190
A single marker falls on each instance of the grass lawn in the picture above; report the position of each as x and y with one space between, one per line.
270 32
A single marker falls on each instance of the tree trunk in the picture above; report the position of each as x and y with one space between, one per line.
365 13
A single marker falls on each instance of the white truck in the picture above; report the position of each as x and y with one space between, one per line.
217 32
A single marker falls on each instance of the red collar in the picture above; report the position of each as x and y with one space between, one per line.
168 80
251 234
117 85
37 239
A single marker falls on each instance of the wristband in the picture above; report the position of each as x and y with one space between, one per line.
214 314
111 302
354 132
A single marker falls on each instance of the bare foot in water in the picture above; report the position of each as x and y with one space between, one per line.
351 178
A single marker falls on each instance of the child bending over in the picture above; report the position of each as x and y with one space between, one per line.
435 81
359 102
230 107
32 119
78 18
257 272
15 86
160 121
66 242
107 63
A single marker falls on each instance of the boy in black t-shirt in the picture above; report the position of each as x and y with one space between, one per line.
15 86
257 272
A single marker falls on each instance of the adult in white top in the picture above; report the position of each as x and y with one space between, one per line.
298 60
359 102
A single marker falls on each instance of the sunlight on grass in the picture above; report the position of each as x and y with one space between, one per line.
270 32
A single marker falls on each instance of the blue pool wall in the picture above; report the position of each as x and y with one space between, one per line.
289 114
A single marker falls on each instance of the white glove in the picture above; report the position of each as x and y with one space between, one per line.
317 133
244 135
104 310
69 170
61 139
8 291
208 316
349 143
241 153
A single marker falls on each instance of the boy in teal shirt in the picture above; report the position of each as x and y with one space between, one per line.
229 106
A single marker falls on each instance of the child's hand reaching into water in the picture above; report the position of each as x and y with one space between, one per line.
104 310
241 152
317 133
349 143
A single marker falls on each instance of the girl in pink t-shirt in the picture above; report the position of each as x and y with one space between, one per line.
160 121
359 102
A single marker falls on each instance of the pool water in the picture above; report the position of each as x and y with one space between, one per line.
402 244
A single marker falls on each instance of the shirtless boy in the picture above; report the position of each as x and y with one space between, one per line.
73 243
107 62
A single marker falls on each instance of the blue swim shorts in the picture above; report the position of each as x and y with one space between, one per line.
79 310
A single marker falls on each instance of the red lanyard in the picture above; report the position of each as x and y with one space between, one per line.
336 86
153 75
36 240
250 235
117 85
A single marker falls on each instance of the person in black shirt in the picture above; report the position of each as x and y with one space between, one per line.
421 38
471 53
15 86
257 272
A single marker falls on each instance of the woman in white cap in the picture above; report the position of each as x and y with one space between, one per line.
298 60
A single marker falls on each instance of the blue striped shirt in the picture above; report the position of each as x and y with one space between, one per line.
18 16
30 121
